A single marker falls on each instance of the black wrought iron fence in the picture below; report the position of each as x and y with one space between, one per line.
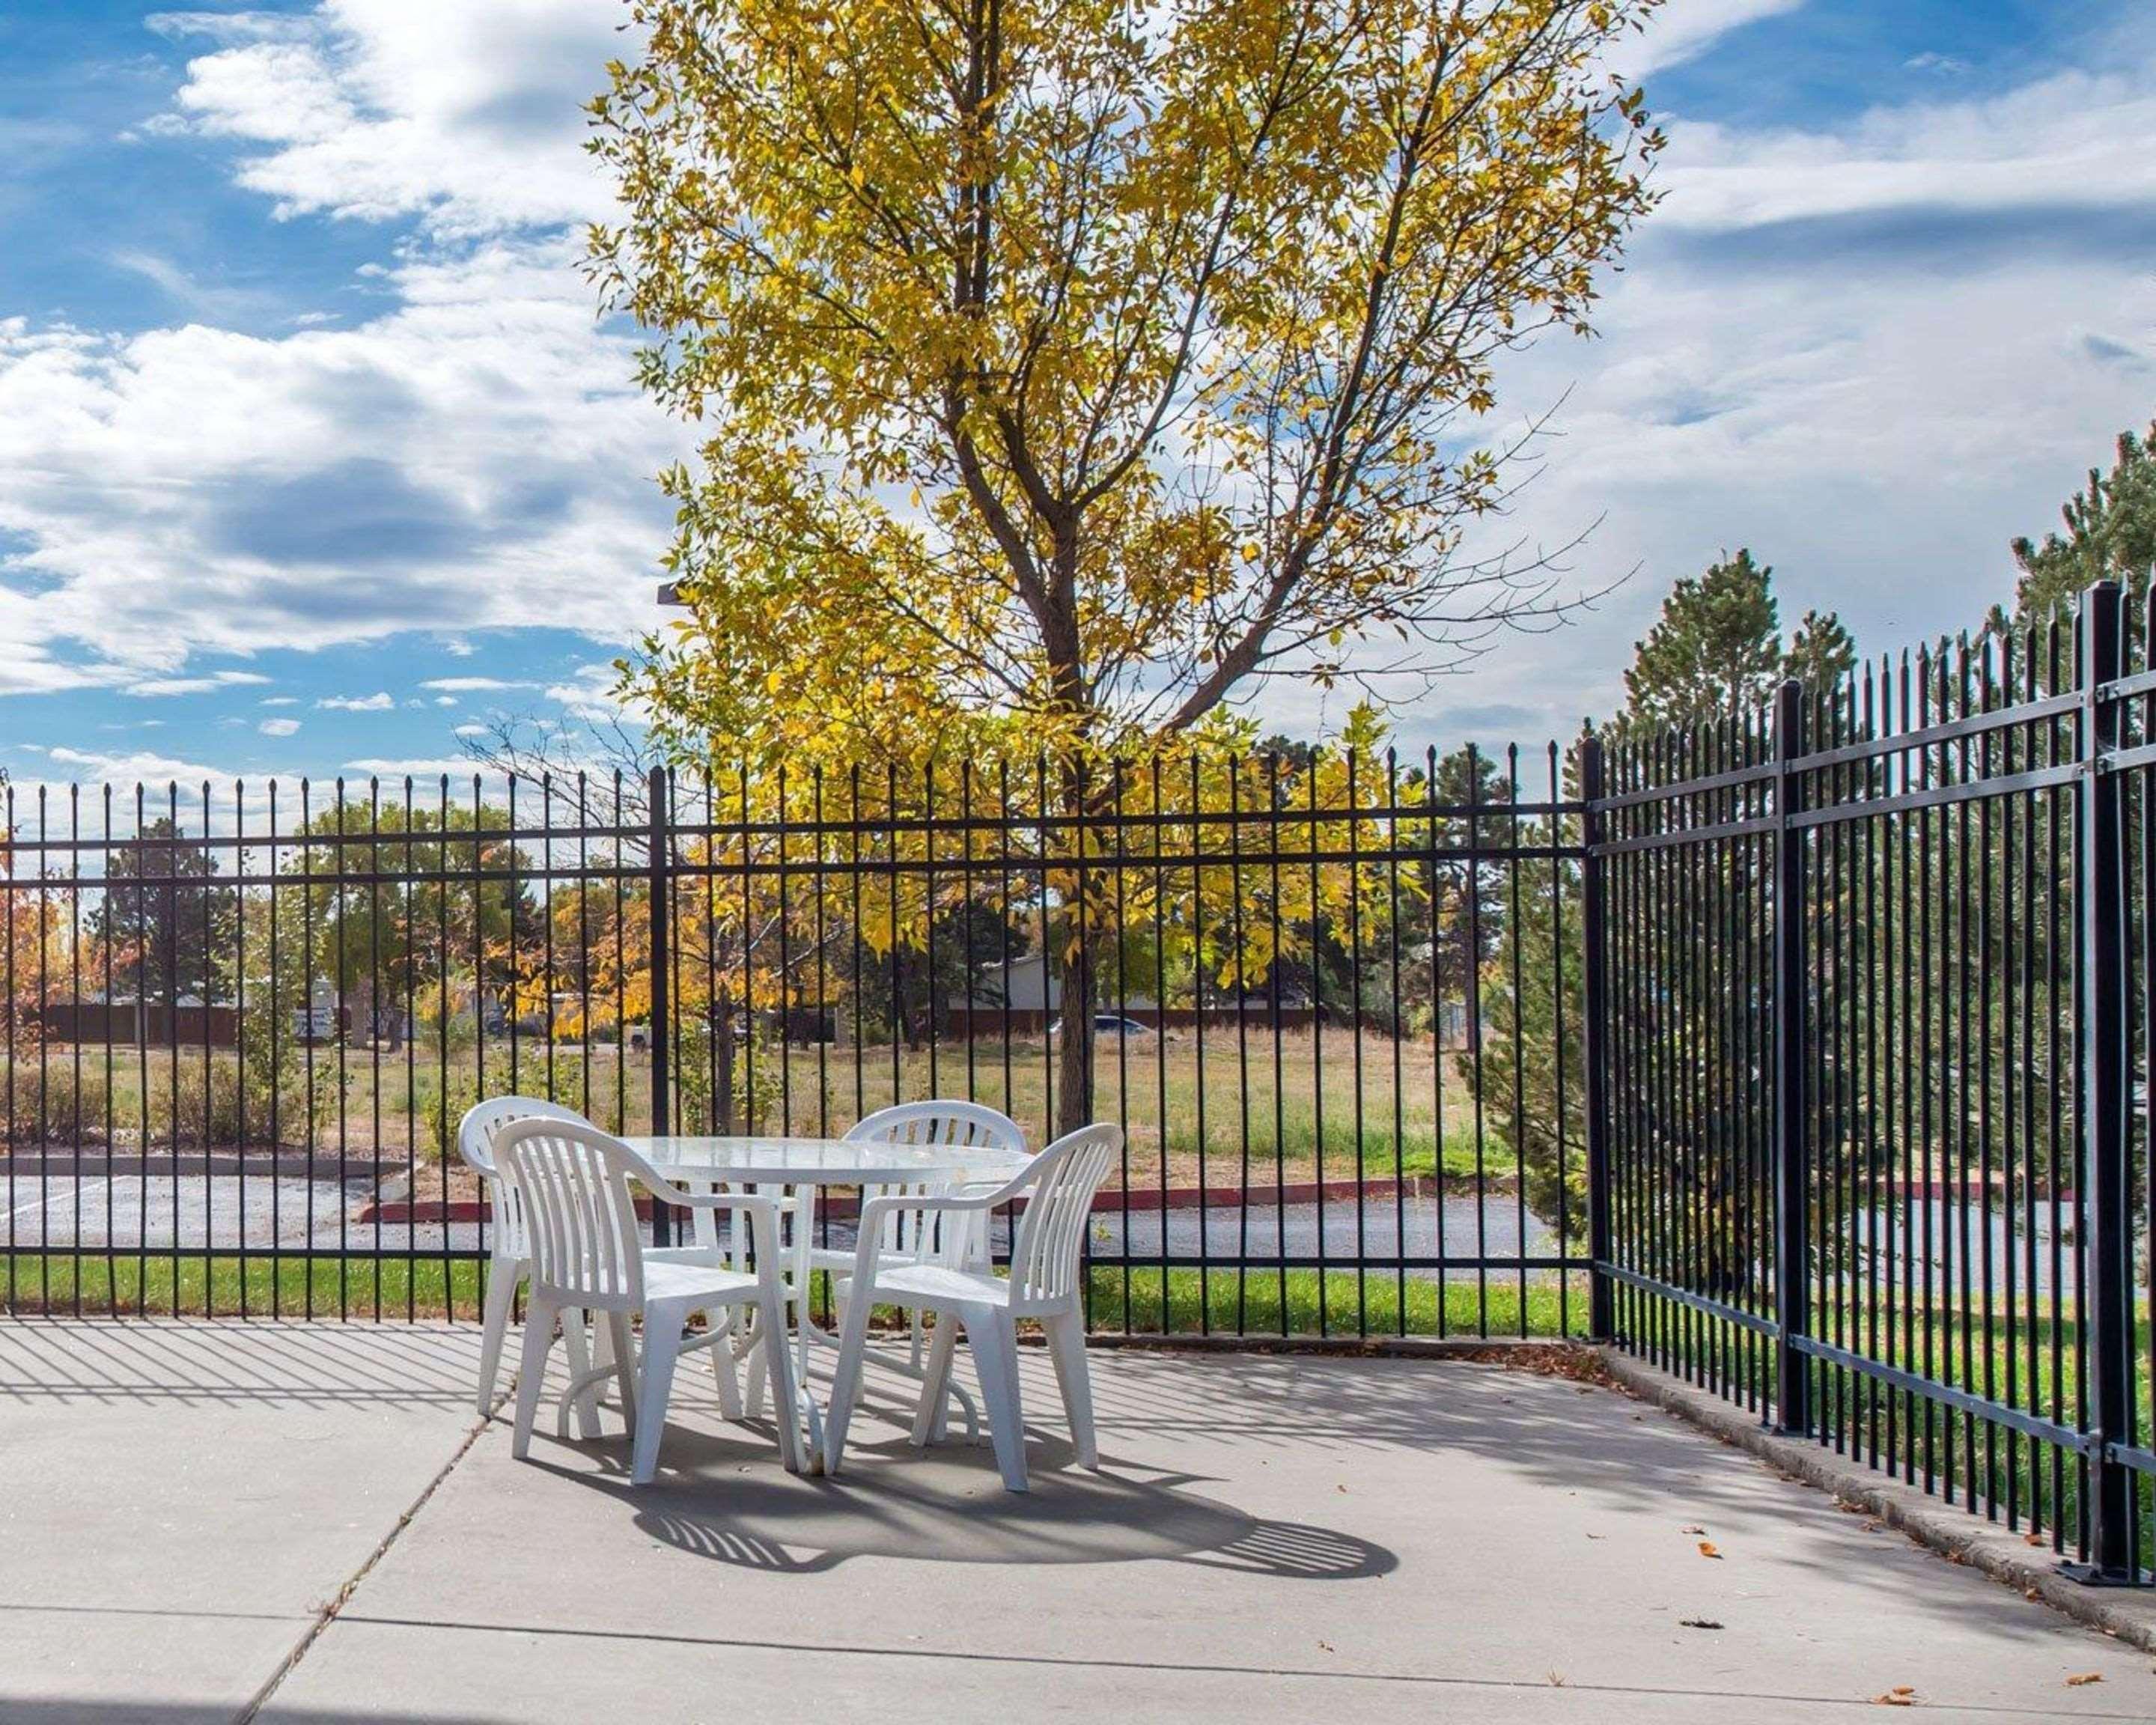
243 1022
1878 1034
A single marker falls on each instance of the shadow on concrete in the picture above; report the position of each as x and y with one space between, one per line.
254 1362
947 1505
74 1710
1593 1444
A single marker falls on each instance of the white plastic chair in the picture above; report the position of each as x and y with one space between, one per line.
511 1256
1057 1188
587 1254
994 1152
476 1133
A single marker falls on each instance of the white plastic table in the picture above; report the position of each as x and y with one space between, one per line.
691 1161
761 1163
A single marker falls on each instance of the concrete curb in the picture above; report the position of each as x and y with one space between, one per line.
2127 1614
392 1206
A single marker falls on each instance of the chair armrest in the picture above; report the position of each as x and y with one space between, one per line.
752 1203
920 1203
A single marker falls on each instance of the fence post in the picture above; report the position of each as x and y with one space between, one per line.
2100 1005
1601 1307
658 853
1792 1174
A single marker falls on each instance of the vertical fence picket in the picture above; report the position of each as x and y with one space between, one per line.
2101 1179
1792 1121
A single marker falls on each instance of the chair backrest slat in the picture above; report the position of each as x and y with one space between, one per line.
1059 1208
572 1181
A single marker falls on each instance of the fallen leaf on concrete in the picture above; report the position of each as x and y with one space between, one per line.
2085 1677
1697 1623
2032 1539
1707 1549
1695 1530
1903 1696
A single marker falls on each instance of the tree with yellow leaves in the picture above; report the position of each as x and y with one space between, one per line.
1062 367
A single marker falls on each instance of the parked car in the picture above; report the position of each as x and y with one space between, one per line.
1110 1024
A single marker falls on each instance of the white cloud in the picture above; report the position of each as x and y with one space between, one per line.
473 686
466 116
279 701
454 768
1875 398
2061 144
380 701
145 766
1685 29
475 455
1874 412
279 727
590 695
194 685
479 454
446 700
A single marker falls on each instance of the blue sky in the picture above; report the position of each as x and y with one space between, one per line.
313 454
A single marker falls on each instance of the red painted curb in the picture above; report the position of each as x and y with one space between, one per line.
1105 1203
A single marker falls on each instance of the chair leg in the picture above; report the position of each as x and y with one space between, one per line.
503 1274
846 1377
936 1385
586 1407
621 1342
1067 1345
754 1372
727 1321
531 1371
662 1342
786 1405
993 1336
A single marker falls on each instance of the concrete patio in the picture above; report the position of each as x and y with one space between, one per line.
1271 1537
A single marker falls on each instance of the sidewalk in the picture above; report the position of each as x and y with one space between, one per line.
1273 1538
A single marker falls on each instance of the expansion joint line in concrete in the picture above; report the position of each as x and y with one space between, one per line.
327 1612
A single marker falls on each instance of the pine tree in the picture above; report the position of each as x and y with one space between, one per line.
2110 536
1717 651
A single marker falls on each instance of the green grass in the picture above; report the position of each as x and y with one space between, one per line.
1911 1436
1294 1107
1300 1098
194 1284
1227 1302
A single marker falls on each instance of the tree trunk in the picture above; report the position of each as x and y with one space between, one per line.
1074 1066
1083 950
722 1060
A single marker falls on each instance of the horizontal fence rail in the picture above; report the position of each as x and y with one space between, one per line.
1338 997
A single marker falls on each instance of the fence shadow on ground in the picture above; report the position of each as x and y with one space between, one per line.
265 1364
1613 1459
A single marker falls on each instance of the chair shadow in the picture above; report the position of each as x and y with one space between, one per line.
945 1504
